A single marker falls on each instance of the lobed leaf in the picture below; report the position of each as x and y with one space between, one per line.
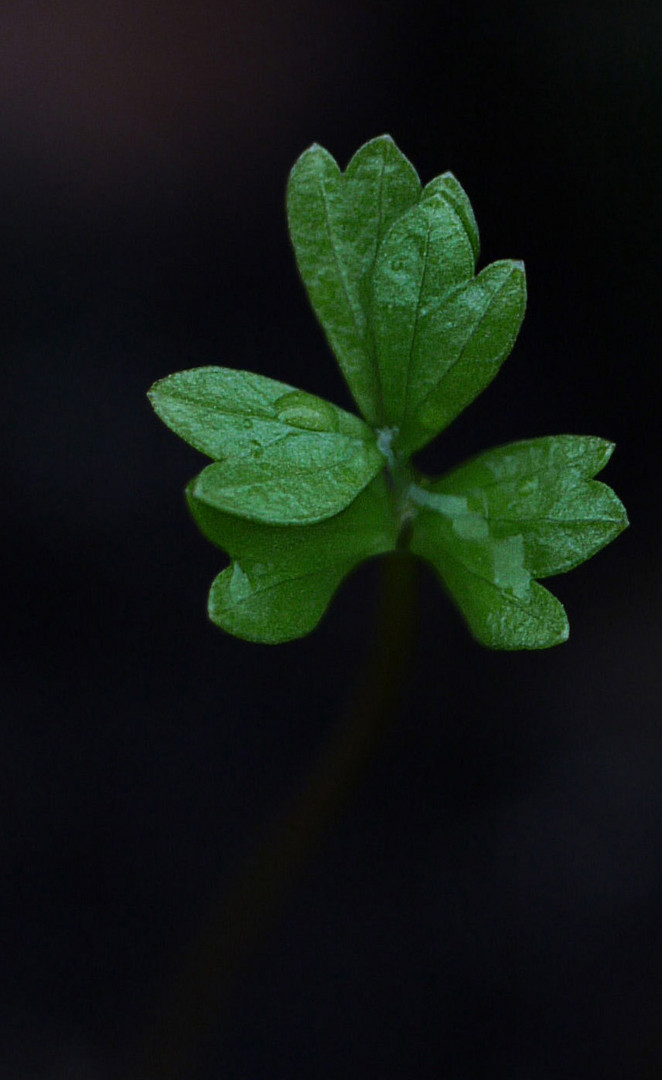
521 512
336 223
543 490
425 256
282 455
282 578
461 341
488 579
294 494
297 483
227 413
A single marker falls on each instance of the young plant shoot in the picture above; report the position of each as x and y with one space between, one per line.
299 491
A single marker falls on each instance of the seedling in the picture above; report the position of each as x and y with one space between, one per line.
301 491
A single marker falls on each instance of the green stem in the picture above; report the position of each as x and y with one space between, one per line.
238 924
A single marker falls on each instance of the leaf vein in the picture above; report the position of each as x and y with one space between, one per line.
509 597
417 316
275 584
476 327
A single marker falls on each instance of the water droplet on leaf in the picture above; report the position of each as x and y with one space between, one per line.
301 410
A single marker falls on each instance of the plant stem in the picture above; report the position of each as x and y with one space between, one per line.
237 926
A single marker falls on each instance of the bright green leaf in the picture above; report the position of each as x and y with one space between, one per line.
302 480
424 256
523 511
283 455
542 489
450 188
488 579
460 343
336 224
227 413
300 491
283 578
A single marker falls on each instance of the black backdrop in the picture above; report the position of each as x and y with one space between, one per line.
490 903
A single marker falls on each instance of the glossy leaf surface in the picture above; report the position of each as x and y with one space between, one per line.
449 187
460 343
543 489
523 511
337 221
283 578
283 456
300 490
425 256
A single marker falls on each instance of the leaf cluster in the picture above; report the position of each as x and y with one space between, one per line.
300 491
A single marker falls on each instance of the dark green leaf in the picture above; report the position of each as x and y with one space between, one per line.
450 188
424 256
336 223
460 342
283 578
284 455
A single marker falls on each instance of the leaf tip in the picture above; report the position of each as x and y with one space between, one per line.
379 140
312 153
558 626
604 449
519 274
155 397
609 448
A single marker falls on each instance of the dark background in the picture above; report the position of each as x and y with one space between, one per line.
490 904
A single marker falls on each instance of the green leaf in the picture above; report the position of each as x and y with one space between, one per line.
523 511
487 578
542 489
227 413
300 491
298 485
450 188
336 223
283 455
425 255
461 341
283 578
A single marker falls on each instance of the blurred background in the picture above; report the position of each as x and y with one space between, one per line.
490 904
